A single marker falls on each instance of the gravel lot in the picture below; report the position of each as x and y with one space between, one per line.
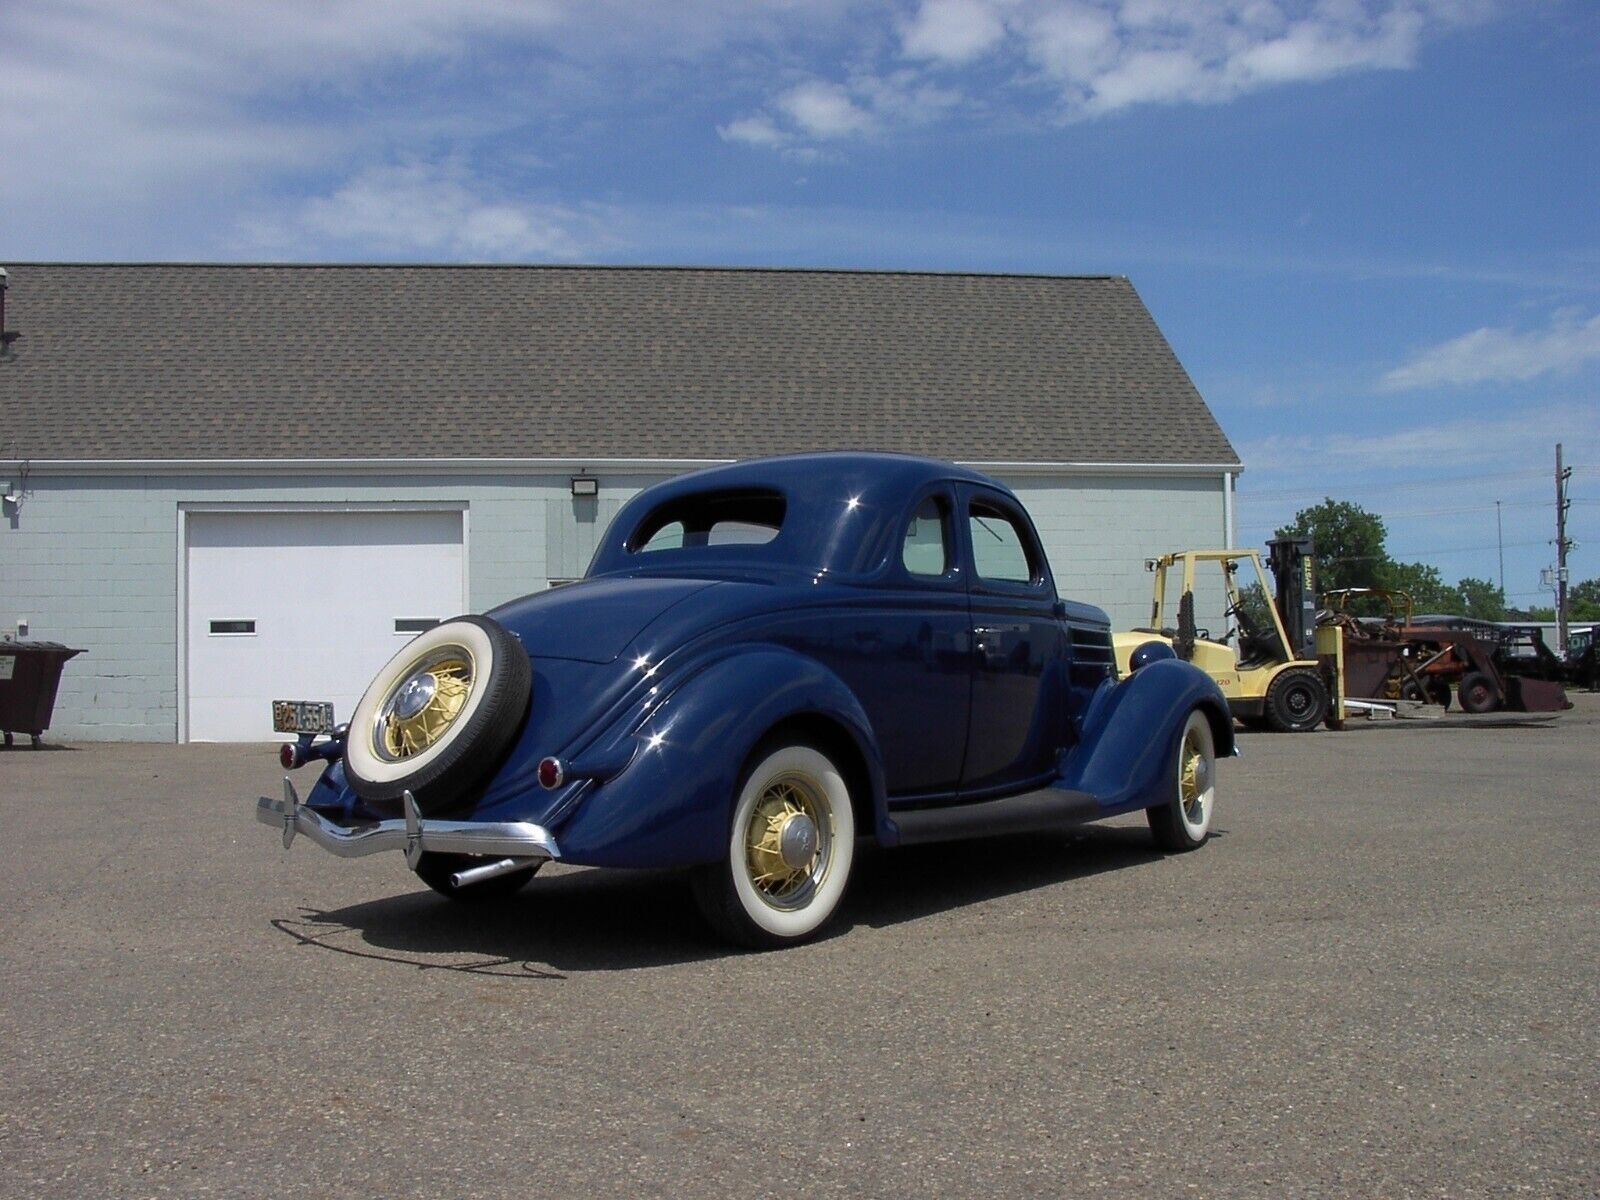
1381 978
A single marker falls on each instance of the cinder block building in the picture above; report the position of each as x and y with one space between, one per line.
234 483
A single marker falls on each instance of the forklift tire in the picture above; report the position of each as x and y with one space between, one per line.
1296 701
1476 693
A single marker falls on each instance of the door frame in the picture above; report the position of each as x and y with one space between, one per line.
187 508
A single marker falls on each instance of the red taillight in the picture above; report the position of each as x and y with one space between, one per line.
551 773
286 756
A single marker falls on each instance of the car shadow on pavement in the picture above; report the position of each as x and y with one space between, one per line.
594 920
584 920
891 887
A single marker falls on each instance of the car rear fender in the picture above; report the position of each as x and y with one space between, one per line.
670 806
1130 734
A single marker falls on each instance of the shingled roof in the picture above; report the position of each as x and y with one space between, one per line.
137 362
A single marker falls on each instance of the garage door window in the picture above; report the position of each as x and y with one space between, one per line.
233 628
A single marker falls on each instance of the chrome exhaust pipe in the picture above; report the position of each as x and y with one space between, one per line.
491 870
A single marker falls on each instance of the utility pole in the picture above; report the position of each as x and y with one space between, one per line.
1561 553
1500 544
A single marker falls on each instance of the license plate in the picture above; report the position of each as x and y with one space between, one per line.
302 716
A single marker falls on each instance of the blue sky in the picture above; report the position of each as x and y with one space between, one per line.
1368 227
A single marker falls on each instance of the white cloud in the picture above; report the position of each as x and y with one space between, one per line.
1090 58
109 106
952 31
1104 57
823 110
756 130
103 94
1526 436
119 117
818 110
438 209
1071 41
1500 355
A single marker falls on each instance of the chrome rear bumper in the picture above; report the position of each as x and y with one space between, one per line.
414 834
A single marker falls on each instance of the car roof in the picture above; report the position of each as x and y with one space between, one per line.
841 505
875 471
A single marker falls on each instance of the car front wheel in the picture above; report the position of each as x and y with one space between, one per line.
790 845
1183 822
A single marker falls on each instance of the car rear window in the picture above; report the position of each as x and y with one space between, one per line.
742 518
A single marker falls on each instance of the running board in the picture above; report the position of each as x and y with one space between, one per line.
1030 812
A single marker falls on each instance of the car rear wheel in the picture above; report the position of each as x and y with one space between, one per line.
1184 821
438 715
790 845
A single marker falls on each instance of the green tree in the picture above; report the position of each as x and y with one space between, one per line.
1583 601
1429 592
1349 550
1481 599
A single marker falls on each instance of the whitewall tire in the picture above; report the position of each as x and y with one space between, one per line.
1184 821
791 842
439 713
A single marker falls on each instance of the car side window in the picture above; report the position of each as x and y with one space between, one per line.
999 546
668 537
926 550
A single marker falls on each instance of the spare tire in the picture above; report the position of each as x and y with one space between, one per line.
438 715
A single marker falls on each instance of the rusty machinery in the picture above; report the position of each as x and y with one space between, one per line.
1394 656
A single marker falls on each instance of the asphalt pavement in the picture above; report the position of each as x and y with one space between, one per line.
1381 977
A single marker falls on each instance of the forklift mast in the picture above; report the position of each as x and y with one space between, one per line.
1290 559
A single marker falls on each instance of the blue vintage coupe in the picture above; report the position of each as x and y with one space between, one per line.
765 662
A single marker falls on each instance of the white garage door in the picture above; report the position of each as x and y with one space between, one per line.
307 606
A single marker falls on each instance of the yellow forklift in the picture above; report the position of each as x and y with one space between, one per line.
1270 673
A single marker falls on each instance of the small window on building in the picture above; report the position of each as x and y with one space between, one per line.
926 550
411 626
746 518
233 628
999 546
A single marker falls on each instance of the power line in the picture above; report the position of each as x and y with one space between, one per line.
1465 549
1246 493
1413 485
1257 523
1465 508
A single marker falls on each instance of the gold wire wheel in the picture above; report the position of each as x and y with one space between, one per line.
787 841
423 707
1191 788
